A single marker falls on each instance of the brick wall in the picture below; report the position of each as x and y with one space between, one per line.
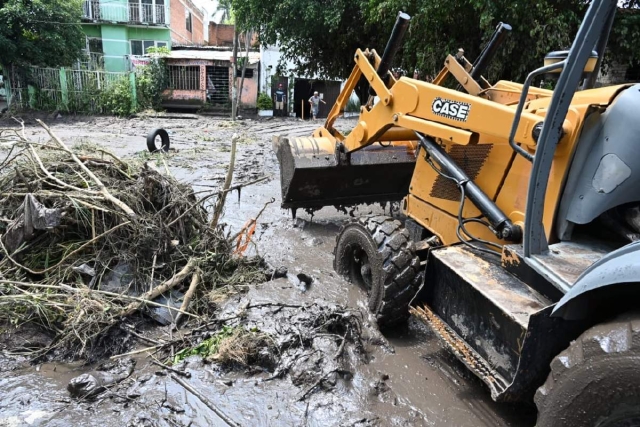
179 33
220 34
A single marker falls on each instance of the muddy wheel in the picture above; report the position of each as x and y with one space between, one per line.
164 138
596 381
377 254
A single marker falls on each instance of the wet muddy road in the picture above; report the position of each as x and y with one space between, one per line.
409 380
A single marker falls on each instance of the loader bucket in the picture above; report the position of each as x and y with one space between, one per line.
314 173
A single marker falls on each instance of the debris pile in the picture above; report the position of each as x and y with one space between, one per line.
87 239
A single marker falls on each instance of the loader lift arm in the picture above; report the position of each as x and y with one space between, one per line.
407 106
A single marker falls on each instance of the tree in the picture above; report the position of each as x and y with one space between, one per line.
41 32
317 36
623 44
321 36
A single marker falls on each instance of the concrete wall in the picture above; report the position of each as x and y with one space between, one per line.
179 33
249 95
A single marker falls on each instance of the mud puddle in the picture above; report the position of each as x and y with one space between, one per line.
404 378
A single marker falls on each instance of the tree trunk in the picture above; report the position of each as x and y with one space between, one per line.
234 101
244 67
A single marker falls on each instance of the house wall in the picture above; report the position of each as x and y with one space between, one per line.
220 34
198 96
116 39
179 33
115 46
249 95
114 27
248 98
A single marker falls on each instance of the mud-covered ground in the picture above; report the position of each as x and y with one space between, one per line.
402 379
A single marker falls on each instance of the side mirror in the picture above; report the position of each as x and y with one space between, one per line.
561 55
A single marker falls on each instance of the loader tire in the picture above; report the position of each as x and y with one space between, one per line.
376 252
596 381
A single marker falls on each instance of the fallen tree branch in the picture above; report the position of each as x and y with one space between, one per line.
195 280
162 288
101 187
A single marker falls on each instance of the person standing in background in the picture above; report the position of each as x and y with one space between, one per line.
315 101
279 98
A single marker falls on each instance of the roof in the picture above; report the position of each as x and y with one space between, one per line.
212 55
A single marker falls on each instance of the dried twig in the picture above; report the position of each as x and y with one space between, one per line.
140 300
101 187
17 264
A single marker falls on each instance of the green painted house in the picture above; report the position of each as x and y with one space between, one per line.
119 30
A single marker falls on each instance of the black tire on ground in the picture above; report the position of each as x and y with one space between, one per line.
596 381
376 252
151 140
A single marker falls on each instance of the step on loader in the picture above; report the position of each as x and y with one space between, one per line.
519 242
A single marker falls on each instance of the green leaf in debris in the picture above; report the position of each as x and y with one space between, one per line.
207 347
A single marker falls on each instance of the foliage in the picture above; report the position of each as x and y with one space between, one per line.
321 36
353 105
207 347
264 102
117 99
151 82
623 44
161 51
41 32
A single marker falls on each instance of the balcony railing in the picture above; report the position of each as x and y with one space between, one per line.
138 13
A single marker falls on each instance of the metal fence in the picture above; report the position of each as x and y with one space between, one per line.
60 89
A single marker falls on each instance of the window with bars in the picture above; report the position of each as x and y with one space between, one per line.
189 20
184 78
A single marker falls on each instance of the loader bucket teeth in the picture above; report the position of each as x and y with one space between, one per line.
313 173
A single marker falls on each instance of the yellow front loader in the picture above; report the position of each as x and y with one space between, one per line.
518 239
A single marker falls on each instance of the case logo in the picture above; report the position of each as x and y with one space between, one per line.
451 109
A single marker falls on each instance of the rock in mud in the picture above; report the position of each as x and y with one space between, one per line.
300 281
91 384
280 272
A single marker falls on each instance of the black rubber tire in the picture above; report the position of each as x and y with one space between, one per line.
394 266
596 381
151 140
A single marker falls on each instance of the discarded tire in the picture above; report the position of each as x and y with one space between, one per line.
596 381
377 253
164 139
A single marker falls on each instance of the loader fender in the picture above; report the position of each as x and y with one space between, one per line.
620 267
